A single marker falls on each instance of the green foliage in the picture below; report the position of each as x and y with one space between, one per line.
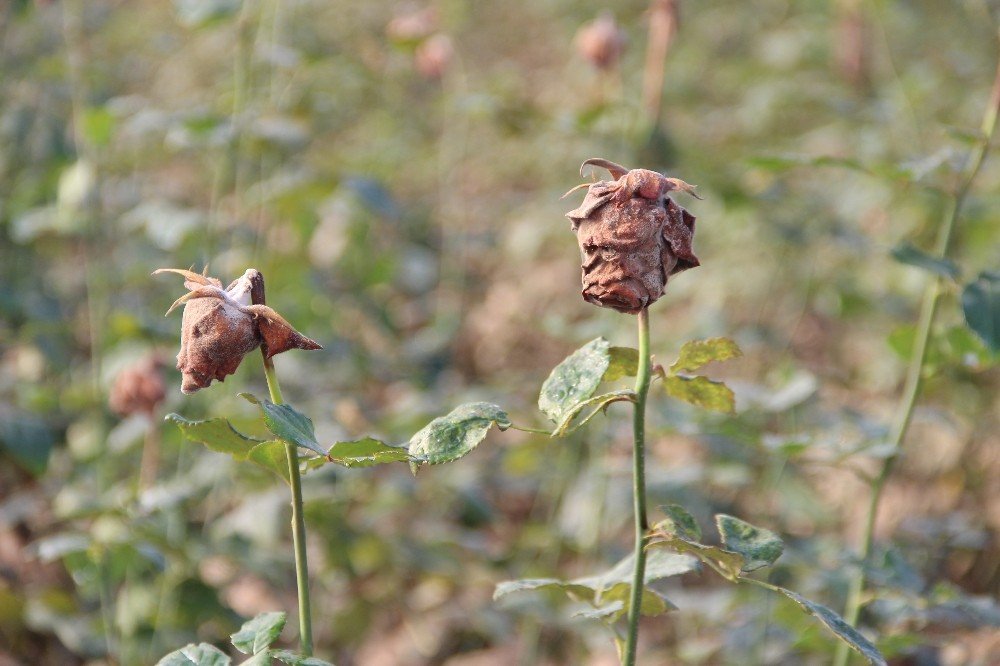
981 304
608 593
745 549
259 633
906 253
701 392
288 424
575 379
219 435
452 436
758 546
255 638
696 353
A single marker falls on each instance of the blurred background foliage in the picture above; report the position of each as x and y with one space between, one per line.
395 170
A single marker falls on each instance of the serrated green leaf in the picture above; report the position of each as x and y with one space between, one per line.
622 362
696 353
271 456
908 254
575 379
450 437
366 452
679 522
598 402
839 627
287 423
257 634
981 305
218 435
701 392
292 659
759 547
201 654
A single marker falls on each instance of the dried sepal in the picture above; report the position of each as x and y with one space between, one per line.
277 335
221 326
632 236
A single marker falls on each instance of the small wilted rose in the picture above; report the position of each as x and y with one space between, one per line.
221 326
433 56
139 388
601 42
632 236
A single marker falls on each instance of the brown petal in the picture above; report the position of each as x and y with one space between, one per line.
277 334
192 280
632 237
215 336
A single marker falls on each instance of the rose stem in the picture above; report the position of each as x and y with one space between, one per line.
914 373
298 522
639 488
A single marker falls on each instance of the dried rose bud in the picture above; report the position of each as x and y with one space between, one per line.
601 42
139 388
632 237
221 326
433 56
412 25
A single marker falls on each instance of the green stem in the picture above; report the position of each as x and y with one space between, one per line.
298 522
914 373
642 377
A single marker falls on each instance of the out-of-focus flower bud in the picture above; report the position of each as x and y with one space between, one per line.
139 388
221 326
601 42
412 25
632 236
433 56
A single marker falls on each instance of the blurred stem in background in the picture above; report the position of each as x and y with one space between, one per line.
914 374
662 28
642 377
298 521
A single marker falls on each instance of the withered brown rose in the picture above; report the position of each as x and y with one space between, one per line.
632 236
221 326
601 42
139 388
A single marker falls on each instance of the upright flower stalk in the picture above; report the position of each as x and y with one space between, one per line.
632 238
914 373
298 521
220 327
642 378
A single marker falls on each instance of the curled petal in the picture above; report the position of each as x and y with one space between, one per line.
201 292
192 280
678 184
616 170
277 334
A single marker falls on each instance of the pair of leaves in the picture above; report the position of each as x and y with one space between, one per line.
287 425
744 549
254 638
609 593
569 390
